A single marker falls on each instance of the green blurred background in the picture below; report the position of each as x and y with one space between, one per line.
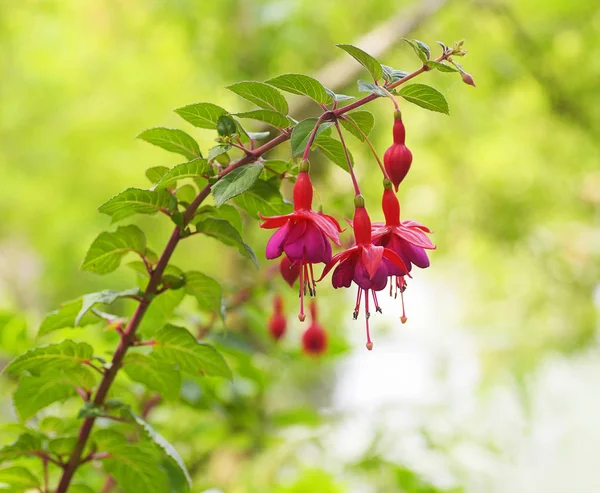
491 386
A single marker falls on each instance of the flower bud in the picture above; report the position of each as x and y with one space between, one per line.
277 322
467 79
398 158
314 340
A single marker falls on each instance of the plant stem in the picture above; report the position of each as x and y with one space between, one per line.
391 96
128 338
311 138
381 167
350 167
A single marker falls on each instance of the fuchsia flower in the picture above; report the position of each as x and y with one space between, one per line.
304 235
365 264
408 239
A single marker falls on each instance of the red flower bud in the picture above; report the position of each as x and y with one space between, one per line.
303 192
467 79
277 322
314 339
398 158
289 271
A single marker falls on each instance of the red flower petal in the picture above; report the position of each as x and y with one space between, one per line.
371 258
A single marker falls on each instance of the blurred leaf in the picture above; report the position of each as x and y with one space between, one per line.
80 488
198 168
186 194
154 374
226 126
302 131
107 297
363 119
155 173
334 150
366 60
221 230
173 140
62 356
425 96
138 201
175 345
370 88
225 211
202 115
302 85
109 248
392 75
62 446
236 182
160 311
338 97
278 120
19 477
26 444
65 316
263 198
205 289
261 94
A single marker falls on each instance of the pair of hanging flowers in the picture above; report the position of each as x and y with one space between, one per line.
382 252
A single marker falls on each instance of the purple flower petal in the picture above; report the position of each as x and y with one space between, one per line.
343 274
417 256
275 244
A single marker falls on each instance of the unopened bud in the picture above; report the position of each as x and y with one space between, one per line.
467 79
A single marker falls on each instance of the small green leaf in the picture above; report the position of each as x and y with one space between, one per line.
198 168
65 317
134 466
107 297
370 88
442 67
175 345
426 97
334 151
258 135
201 115
264 198
206 290
236 182
108 249
152 373
392 75
302 131
302 85
217 151
275 168
19 477
173 140
186 194
35 393
366 60
155 173
26 444
338 97
63 356
226 126
62 446
278 120
160 311
221 230
420 48
363 120
261 94
138 201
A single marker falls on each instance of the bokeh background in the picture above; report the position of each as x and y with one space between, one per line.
491 386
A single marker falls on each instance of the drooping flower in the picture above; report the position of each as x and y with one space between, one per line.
364 264
304 235
398 158
289 271
314 339
277 322
408 239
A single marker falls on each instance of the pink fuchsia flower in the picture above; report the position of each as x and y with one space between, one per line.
408 239
364 264
304 235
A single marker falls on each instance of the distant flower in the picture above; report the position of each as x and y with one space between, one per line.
314 339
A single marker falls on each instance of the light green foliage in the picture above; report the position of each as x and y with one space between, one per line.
302 132
264 198
262 95
425 96
226 233
364 120
198 168
158 376
138 201
303 85
63 356
173 140
366 60
334 151
271 117
202 115
236 182
206 290
109 248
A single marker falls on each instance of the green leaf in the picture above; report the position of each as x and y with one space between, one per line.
302 85
80 488
217 151
225 211
201 115
338 97
65 355
173 140
109 248
263 197
221 230
205 289
236 182
442 67
426 97
107 297
334 150
420 48
198 168
226 126
26 444
156 438
261 94
65 317
363 119
35 393
160 311
278 120
258 135
392 75
19 477
366 60
186 194
154 374
370 88
62 446
155 173
275 168
301 134
175 345
138 201
133 465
